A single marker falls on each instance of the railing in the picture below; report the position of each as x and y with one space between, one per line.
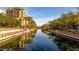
11 32
7 29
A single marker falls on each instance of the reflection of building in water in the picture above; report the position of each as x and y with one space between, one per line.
22 41
21 44
28 37
18 42
9 44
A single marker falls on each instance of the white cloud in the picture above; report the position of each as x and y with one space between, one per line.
45 20
35 14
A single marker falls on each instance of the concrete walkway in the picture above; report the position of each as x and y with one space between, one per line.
68 35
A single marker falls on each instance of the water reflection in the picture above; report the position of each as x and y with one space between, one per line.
66 44
38 41
17 43
41 42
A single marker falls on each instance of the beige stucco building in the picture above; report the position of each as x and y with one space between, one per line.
17 13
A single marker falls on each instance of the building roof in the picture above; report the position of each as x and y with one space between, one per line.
16 8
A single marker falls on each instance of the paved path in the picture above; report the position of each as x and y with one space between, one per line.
70 35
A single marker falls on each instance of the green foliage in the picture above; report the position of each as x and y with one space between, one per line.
64 22
7 20
45 27
31 22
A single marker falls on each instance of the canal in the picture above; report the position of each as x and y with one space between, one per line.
38 41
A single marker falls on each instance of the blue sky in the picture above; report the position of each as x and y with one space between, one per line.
42 15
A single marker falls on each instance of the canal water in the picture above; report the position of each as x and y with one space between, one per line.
38 41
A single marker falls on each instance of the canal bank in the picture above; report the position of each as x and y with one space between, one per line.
7 35
64 34
39 41
32 41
